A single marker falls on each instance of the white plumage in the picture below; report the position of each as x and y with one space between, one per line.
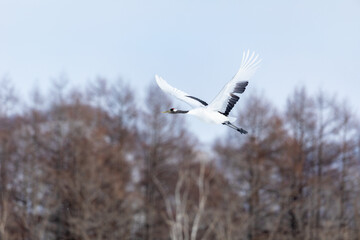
218 110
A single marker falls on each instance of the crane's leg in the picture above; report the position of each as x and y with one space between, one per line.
229 124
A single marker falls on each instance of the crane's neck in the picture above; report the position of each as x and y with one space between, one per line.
180 111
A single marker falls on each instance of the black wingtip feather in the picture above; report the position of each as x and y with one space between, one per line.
232 101
240 87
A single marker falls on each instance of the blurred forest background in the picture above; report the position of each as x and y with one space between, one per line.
97 163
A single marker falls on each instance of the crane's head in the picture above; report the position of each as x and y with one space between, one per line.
172 110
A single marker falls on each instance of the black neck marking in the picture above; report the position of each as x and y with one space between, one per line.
180 111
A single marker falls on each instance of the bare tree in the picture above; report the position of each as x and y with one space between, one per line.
8 101
86 165
165 142
300 117
183 219
252 164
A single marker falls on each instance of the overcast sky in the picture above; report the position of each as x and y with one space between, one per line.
196 45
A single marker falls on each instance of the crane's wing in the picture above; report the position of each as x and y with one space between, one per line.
227 98
191 100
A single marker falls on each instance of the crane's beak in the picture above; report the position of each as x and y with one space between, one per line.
166 112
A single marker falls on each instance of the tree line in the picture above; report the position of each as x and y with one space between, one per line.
97 163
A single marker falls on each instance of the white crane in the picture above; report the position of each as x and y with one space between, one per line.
218 110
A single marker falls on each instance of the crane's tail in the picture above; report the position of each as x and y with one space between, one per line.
229 124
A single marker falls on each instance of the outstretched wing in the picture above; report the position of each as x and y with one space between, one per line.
227 98
191 100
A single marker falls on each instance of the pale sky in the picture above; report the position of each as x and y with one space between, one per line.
195 45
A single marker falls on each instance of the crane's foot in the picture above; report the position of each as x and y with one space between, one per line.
242 131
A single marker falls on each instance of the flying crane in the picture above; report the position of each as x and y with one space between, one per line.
218 110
